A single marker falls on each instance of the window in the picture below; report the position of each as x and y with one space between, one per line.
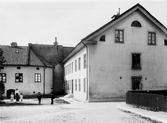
2 77
2 68
79 63
18 77
136 82
37 68
37 77
136 24
165 42
84 60
151 38
18 67
84 84
75 65
102 38
76 84
119 36
79 84
136 61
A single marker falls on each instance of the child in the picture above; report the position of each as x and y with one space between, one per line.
12 97
21 97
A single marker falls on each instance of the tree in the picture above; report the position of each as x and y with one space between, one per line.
2 86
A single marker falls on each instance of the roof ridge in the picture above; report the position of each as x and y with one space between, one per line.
121 15
39 56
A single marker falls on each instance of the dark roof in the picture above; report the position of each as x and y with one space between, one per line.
21 55
52 54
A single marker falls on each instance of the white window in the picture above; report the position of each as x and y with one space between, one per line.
37 77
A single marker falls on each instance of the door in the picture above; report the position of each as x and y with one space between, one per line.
136 82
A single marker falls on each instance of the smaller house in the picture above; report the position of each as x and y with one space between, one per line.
31 69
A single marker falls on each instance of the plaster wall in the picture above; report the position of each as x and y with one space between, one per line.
73 77
110 62
28 86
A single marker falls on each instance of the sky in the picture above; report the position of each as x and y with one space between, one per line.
40 21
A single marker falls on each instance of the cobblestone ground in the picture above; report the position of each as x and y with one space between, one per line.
68 113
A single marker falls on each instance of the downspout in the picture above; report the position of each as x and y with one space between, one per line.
87 70
44 80
53 79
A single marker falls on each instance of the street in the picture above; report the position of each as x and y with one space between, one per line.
76 112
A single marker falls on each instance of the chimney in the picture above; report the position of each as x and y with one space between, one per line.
55 43
14 44
117 15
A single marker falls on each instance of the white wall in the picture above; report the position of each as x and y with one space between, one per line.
28 86
75 75
110 62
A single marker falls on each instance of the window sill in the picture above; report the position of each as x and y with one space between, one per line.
119 42
136 68
152 45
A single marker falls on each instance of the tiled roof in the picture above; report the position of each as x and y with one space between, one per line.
53 54
15 55
22 55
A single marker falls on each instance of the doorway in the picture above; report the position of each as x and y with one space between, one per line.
136 82
9 92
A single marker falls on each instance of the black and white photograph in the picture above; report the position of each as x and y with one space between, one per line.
83 61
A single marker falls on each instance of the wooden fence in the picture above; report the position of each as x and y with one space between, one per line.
149 101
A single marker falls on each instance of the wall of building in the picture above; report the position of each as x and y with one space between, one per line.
28 86
72 77
58 84
110 62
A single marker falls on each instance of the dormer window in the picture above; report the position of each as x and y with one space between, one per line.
102 38
136 24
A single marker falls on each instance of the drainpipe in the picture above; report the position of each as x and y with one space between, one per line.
44 80
87 70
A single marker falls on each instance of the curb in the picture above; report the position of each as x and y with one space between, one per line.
140 115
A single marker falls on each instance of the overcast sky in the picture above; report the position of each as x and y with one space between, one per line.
40 21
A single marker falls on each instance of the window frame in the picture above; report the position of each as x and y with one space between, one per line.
150 38
79 63
79 84
136 85
37 79
136 23
75 84
102 38
18 78
84 80
76 65
119 35
84 61
3 80
136 63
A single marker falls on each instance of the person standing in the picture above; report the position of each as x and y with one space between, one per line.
39 98
17 94
21 96
52 97
12 97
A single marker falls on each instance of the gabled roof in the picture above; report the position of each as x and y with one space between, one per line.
122 16
52 54
88 39
21 55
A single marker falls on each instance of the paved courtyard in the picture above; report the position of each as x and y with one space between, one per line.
75 112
